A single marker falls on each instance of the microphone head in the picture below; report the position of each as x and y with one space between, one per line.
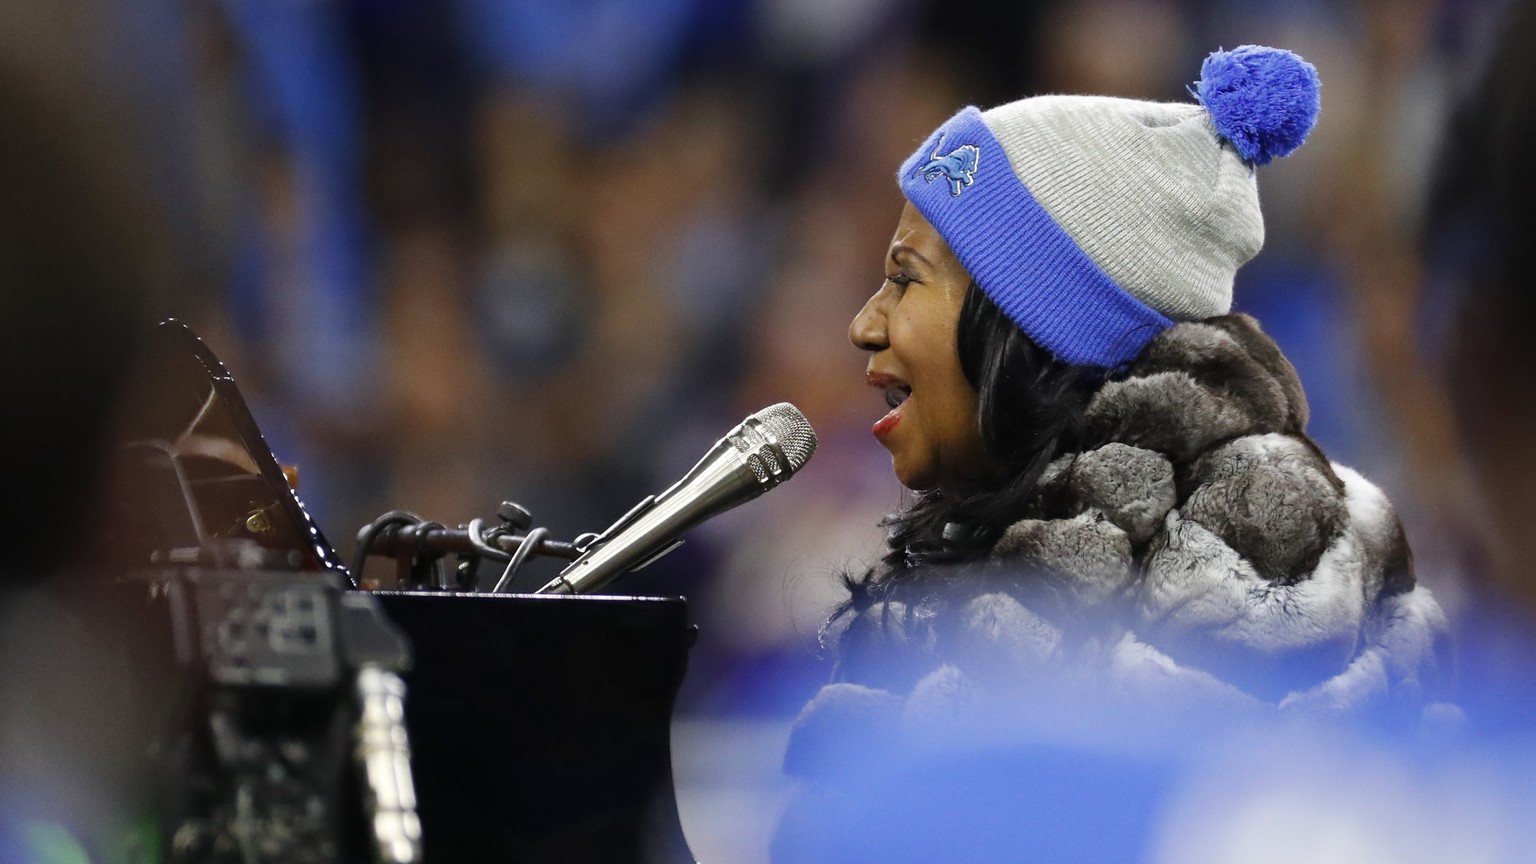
776 441
785 424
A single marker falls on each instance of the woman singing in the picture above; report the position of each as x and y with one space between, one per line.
1115 492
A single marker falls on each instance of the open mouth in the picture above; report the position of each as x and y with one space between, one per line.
897 392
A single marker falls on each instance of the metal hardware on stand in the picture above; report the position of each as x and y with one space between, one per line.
420 546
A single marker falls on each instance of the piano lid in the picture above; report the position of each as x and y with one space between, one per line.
192 471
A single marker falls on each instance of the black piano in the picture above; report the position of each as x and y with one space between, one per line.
538 725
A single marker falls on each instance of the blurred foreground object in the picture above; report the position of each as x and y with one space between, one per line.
1480 246
256 703
305 674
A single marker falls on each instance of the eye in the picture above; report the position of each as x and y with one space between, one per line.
900 280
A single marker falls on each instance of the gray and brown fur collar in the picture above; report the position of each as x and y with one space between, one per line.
1198 545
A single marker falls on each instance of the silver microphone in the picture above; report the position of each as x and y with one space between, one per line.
754 457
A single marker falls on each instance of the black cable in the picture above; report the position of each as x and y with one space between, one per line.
532 539
371 533
482 548
481 541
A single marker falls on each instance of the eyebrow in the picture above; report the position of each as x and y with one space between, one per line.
902 249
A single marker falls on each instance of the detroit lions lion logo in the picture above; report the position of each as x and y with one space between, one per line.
958 166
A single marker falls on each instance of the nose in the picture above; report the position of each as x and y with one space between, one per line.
867 332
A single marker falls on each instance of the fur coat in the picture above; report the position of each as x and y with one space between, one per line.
1199 551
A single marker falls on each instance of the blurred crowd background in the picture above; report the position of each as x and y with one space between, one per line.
462 251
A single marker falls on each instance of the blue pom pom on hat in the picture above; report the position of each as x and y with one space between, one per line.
1263 100
1094 222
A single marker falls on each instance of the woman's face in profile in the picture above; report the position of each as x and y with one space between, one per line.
909 325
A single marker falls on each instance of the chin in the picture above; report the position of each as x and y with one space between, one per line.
917 477
915 482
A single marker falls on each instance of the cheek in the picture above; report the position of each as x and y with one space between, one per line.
925 335
954 423
952 391
949 406
961 429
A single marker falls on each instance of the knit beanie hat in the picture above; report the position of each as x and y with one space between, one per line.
1094 222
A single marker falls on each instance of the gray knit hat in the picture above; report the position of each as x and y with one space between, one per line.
1095 222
